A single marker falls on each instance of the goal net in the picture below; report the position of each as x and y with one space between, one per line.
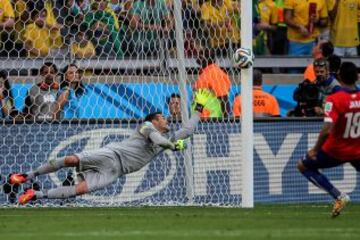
119 61
127 59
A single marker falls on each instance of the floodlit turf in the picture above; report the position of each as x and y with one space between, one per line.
263 222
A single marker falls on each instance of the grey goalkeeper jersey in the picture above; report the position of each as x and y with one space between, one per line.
146 143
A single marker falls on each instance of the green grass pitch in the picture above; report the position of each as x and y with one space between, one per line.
262 222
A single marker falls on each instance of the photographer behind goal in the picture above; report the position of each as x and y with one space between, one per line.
310 96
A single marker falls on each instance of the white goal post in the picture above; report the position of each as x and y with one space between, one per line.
247 134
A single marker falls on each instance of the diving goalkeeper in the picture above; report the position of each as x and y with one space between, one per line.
101 167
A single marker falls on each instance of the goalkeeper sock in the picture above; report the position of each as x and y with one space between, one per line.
321 181
61 192
49 167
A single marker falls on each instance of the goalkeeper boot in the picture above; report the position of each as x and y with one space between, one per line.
17 178
27 196
339 204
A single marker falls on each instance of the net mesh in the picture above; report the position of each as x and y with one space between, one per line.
84 73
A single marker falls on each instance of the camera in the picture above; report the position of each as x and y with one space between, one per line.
307 95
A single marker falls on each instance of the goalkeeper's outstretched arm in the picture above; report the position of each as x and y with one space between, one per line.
201 97
161 141
188 129
176 142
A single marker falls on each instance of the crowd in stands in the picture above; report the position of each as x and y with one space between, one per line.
135 28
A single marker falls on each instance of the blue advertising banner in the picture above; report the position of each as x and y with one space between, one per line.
215 161
136 100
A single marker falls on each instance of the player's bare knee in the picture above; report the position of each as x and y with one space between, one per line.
81 188
301 166
71 161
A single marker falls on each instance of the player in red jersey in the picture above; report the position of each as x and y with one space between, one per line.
339 139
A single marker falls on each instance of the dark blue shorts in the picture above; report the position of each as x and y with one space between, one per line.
323 160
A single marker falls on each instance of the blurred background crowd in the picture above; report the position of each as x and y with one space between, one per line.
140 28
327 30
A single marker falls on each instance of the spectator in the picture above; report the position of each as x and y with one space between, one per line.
212 77
311 95
150 23
105 28
327 83
70 15
122 10
37 35
344 27
82 47
279 41
268 20
321 50
6 97
7 15
55 38
124 15
71 90
325 31
41 98
174 105
54 27
21 20
7 22
192 26
303 19
219 17
264 104
259 45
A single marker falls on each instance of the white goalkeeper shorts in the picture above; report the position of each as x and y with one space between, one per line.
98 168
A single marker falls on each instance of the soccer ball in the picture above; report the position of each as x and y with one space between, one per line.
244 58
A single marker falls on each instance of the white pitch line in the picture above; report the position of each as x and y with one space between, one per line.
276 233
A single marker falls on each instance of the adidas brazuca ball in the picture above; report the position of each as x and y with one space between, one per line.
243 58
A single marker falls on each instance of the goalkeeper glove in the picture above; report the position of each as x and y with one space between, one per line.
180 145
201 97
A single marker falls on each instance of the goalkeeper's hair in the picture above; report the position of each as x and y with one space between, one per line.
152 116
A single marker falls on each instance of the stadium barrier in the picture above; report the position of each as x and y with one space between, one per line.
215 157
166 64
